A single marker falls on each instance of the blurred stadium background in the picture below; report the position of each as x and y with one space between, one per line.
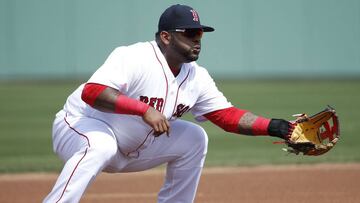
48 47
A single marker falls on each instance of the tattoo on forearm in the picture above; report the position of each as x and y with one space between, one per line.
245 123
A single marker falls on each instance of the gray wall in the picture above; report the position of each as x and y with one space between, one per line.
253 38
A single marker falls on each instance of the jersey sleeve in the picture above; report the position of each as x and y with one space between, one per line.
210 98
118 70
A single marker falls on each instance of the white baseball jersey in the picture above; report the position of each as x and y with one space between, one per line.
140 71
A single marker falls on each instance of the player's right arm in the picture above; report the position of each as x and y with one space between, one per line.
110 100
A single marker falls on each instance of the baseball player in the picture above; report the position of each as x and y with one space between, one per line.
125 117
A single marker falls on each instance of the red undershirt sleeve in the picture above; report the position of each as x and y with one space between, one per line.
227 119
91 91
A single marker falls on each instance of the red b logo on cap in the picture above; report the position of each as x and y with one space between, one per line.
195 15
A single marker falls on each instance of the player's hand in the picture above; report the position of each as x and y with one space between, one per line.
157 121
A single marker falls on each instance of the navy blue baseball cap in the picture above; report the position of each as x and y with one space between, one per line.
181 17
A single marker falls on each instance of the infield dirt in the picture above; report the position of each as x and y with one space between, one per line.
330 183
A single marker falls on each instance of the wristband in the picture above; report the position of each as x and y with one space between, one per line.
260 126
127 105
279 128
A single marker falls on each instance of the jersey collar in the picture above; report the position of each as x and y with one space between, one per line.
184 68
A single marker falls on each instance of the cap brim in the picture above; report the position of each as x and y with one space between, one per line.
204 27
207 28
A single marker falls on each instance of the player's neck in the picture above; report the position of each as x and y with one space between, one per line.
175 71
172 61
174 64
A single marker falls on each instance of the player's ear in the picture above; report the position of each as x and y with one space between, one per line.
165 37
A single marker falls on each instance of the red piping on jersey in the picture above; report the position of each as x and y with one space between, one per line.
140 144
87 139
67 183
72 173
177 93
162 110
166 79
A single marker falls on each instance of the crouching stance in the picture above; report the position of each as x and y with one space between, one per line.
125 117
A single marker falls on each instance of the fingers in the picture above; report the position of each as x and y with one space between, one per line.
162 127
157 121
158 129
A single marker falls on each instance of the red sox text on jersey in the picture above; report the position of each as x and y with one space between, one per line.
158 104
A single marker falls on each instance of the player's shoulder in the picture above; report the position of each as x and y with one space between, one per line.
132 52
139 46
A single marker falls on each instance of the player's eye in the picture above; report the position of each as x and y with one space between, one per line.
190 33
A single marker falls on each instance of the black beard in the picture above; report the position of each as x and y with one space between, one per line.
192 57
184 51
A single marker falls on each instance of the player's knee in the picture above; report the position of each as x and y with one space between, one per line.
104 150
194 148
197 139
201 138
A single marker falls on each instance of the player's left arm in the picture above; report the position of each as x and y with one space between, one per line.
245 122
213 105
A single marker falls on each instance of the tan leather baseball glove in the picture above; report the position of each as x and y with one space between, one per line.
314 135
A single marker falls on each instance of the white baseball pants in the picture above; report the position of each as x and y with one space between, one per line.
88 147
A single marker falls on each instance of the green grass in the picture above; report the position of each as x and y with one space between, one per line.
27 111
281 99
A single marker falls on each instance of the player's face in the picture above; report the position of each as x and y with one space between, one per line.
186 43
